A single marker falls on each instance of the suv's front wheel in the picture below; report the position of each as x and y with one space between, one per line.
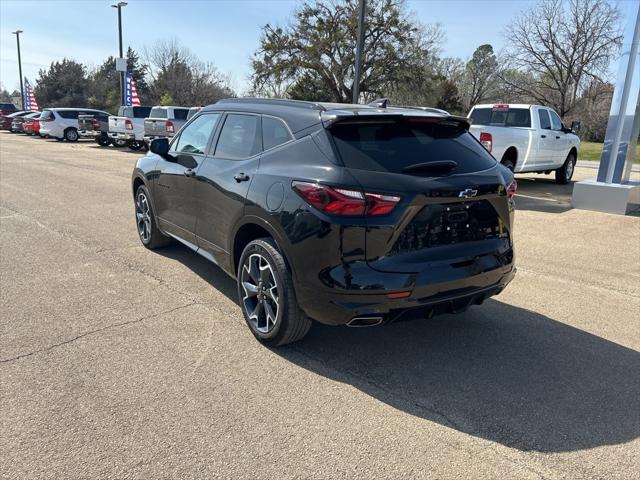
149 233
267 296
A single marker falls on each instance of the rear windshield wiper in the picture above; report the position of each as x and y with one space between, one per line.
441 167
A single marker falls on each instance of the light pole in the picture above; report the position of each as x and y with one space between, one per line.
119 6
17 34
359 46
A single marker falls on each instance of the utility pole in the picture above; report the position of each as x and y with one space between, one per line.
359 47
119 6
17 34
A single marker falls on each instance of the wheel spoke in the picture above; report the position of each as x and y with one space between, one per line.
273 294
250 290
255 314
271 317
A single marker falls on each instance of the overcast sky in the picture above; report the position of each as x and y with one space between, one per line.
223 32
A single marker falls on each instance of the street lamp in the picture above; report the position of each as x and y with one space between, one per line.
17 34
119 6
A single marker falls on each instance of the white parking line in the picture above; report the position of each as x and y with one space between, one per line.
540 198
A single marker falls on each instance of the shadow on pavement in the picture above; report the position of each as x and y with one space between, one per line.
540 193
498 372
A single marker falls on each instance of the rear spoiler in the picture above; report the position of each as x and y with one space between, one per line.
333 117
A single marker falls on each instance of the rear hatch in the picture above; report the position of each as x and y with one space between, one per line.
453 203
156 124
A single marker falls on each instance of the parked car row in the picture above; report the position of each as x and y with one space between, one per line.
134 127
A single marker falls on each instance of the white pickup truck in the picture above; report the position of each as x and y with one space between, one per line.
527 138
128 125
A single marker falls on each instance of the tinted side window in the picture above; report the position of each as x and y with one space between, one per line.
68 113
195 137
240 137
181 113
544 119
556 123
274 132
393 146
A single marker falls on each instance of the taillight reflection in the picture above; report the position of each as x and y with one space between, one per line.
511 189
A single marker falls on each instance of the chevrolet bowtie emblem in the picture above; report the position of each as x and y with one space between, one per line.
468 193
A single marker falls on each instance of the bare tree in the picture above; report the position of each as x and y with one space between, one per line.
562 47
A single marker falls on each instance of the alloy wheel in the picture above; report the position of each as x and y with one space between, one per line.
569 169
143 217
260 299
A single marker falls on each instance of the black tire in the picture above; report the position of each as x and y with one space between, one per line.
290 323
149 233
134 145
71 135
118 143
508 162
565 172
103 140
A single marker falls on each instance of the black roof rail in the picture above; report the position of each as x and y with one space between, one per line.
275 101
379 103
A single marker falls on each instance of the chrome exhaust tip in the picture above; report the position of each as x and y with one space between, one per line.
364 322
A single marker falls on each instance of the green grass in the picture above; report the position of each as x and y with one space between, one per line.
592 151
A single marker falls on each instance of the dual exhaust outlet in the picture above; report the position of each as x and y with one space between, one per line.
360 322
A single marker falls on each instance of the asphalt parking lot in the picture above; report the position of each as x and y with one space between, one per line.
118 362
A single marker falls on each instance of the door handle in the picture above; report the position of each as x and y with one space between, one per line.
189 172
241 177
543 136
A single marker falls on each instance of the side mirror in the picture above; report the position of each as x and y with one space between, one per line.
160 146
575 126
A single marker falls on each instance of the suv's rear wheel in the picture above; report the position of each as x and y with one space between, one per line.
149 233
71 135
267 297
565 172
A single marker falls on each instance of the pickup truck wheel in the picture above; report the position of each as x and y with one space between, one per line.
507 162
565 172
134 145
71 135
103 140
149 233
116 142
267 296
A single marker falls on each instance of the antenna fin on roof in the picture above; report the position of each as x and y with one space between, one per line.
379 103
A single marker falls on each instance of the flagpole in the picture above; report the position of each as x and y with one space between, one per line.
17 34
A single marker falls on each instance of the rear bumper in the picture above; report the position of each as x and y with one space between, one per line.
122 136
427 297
89 133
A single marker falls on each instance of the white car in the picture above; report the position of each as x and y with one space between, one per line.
526 138
62 123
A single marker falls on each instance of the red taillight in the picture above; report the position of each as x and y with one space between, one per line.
170 127
486 140
128 124
96 124
511 189
345 202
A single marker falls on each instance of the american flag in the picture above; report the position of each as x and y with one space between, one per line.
130 91
30 103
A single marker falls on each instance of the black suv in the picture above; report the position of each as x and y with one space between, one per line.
344 214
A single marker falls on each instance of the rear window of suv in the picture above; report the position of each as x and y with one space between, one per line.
391 147
512 117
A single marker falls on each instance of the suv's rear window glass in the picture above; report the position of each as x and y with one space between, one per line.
274 132
141 112
513 117
158 113
46 115
391 147
181 113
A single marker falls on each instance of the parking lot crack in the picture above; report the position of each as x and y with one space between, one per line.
97 331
